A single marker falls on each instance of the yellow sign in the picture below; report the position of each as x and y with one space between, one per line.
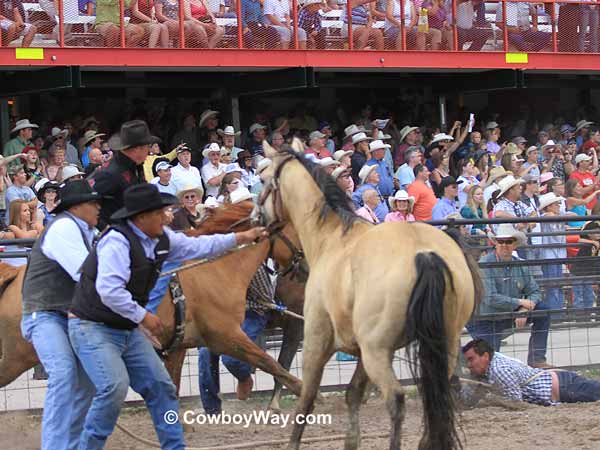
29 53
516 58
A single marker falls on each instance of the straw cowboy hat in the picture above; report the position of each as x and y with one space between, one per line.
404 131
582 124
328 161
240 194
378 145
549 144
56 132
506 183
228 131
401 195
197 188
22 124
508 231
350 131
548 199
206 115
441 137
365 171
338 155
141 198
90 135
70 171
74 193
512 149
339 171
213 147
360 137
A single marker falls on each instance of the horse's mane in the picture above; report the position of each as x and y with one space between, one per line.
335 199
221 219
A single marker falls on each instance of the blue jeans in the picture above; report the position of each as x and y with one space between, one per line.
555 298
493 331
208 364
115 359
160 288
574 388
70 391
584 296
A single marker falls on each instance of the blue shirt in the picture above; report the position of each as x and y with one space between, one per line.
405 175
251 12
380 211
386 182
114 263
443 208
17 193
85 157
64 244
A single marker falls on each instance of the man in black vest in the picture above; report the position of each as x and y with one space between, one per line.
109 305
125 168
48 290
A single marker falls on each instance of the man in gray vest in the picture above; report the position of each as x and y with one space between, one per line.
48 289
108 306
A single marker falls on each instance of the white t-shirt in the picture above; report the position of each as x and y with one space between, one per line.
277 8
168 189
209 171
462 195
183 178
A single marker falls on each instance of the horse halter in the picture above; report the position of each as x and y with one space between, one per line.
295 267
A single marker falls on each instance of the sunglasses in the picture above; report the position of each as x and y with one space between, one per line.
506 241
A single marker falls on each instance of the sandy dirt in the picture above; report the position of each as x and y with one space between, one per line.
517 427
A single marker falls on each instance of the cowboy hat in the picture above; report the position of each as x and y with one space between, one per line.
383 136
74 193
512 149
492 125
228 131
582 157
209 203
262 165
196 188
508 231
42 186
316 135
360 137
365 171
519 140
548 199
22 124
441 137
401 195
211 148
208 113
90 135
225 151
328 161
533 148
350 131
338 155
70 171
141 198
548 144
256 126
339 171
507 183
378 145
545 177
566 128
405 131
582 124
240 194
497 172
56 132
243 155
134 133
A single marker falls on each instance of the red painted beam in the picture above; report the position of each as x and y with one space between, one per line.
233 58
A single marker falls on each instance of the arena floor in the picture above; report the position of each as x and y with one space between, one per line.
516 427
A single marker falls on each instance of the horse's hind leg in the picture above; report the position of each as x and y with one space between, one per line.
354 396
378 365
292 335
317 349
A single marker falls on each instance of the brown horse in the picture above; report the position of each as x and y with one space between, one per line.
215 310
373 290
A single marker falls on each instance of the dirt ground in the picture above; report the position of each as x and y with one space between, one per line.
509 426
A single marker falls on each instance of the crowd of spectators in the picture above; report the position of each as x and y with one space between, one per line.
376 24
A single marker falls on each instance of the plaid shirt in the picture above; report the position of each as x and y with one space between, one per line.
511 376
308 21
260 290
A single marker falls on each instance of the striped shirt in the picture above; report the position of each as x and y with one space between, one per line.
511 376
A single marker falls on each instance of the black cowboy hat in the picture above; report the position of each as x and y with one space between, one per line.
134 133
141 198
74 193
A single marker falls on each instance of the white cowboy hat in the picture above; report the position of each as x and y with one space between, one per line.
198 189
582 124
240 194
228 131
338 155
365 171
350 131
338 171
401 195
378 145
262 165
256 126
225 151
22 124
383 136
209 203
70 171
233 167
206 114
213 147
57 132
508 231
497 172
549 198
548 144
404 131
328 161
359 137
441 137
506 183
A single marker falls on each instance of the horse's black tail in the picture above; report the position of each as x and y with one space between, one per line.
427 351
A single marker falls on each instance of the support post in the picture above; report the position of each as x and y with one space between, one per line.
442 105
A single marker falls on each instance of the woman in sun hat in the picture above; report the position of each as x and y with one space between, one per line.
401 205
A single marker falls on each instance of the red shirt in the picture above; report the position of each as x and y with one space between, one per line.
424 200
324 153
585 179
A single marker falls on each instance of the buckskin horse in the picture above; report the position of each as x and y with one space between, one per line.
213 314
373 289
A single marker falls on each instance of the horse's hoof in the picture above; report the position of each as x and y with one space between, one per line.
187 428
274 409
